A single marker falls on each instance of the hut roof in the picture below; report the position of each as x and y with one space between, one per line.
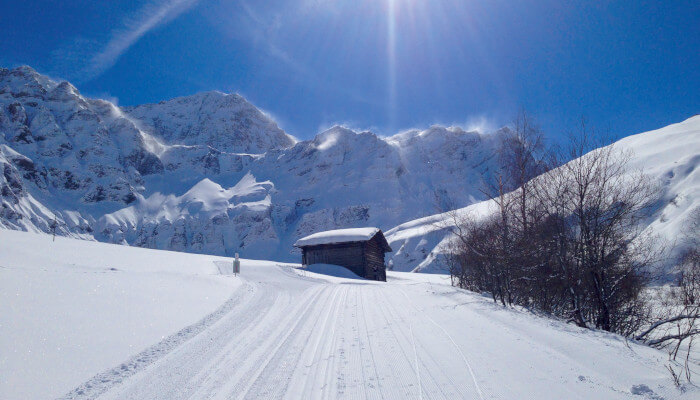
341 236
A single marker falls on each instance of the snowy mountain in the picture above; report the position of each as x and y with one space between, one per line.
226 122
670 156
210 173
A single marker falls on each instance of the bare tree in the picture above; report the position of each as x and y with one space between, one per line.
565 242
596 204
473 255
521 159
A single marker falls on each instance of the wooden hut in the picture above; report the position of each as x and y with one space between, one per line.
361 250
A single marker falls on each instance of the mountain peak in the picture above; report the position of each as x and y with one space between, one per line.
435 134
23 70
336 130
63 91
225 122
24 81
340 134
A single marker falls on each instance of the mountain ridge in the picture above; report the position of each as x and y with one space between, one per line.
88 164
210 173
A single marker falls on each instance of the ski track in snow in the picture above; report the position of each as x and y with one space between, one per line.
282 335
468 365
288 335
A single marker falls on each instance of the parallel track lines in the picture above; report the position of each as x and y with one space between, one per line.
369 342
265 351
444 331
295 337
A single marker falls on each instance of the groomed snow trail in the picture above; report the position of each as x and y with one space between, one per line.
282 335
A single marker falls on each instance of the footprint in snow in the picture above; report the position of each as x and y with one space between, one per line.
644 390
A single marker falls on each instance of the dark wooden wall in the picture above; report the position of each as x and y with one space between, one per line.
374 260
349 255
366 259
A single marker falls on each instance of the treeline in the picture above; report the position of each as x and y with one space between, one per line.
564 235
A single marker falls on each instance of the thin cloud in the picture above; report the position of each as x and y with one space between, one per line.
102 56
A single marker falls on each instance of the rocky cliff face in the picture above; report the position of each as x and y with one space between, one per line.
211 173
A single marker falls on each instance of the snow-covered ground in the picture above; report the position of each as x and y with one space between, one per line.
170 325
71 308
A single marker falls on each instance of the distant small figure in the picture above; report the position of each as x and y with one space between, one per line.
236 265
53 226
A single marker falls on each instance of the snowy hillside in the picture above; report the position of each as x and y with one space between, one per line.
85 320
670 156
210 173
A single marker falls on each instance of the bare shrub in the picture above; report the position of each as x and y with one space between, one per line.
566 242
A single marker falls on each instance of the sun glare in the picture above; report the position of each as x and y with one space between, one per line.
391 61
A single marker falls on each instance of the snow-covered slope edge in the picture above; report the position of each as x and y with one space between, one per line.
670 156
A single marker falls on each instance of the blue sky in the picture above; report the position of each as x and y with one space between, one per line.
385 65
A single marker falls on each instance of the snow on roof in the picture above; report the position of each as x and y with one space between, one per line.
338 236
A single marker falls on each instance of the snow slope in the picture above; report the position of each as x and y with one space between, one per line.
670 157
284 333
71 308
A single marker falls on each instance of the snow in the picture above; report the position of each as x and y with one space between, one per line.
224 121
669 156
337 236
324 271
72 308
169 325
102 170
180 219
206 197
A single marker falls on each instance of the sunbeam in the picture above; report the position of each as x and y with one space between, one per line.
391 62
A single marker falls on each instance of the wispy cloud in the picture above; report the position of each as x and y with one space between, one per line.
90 58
